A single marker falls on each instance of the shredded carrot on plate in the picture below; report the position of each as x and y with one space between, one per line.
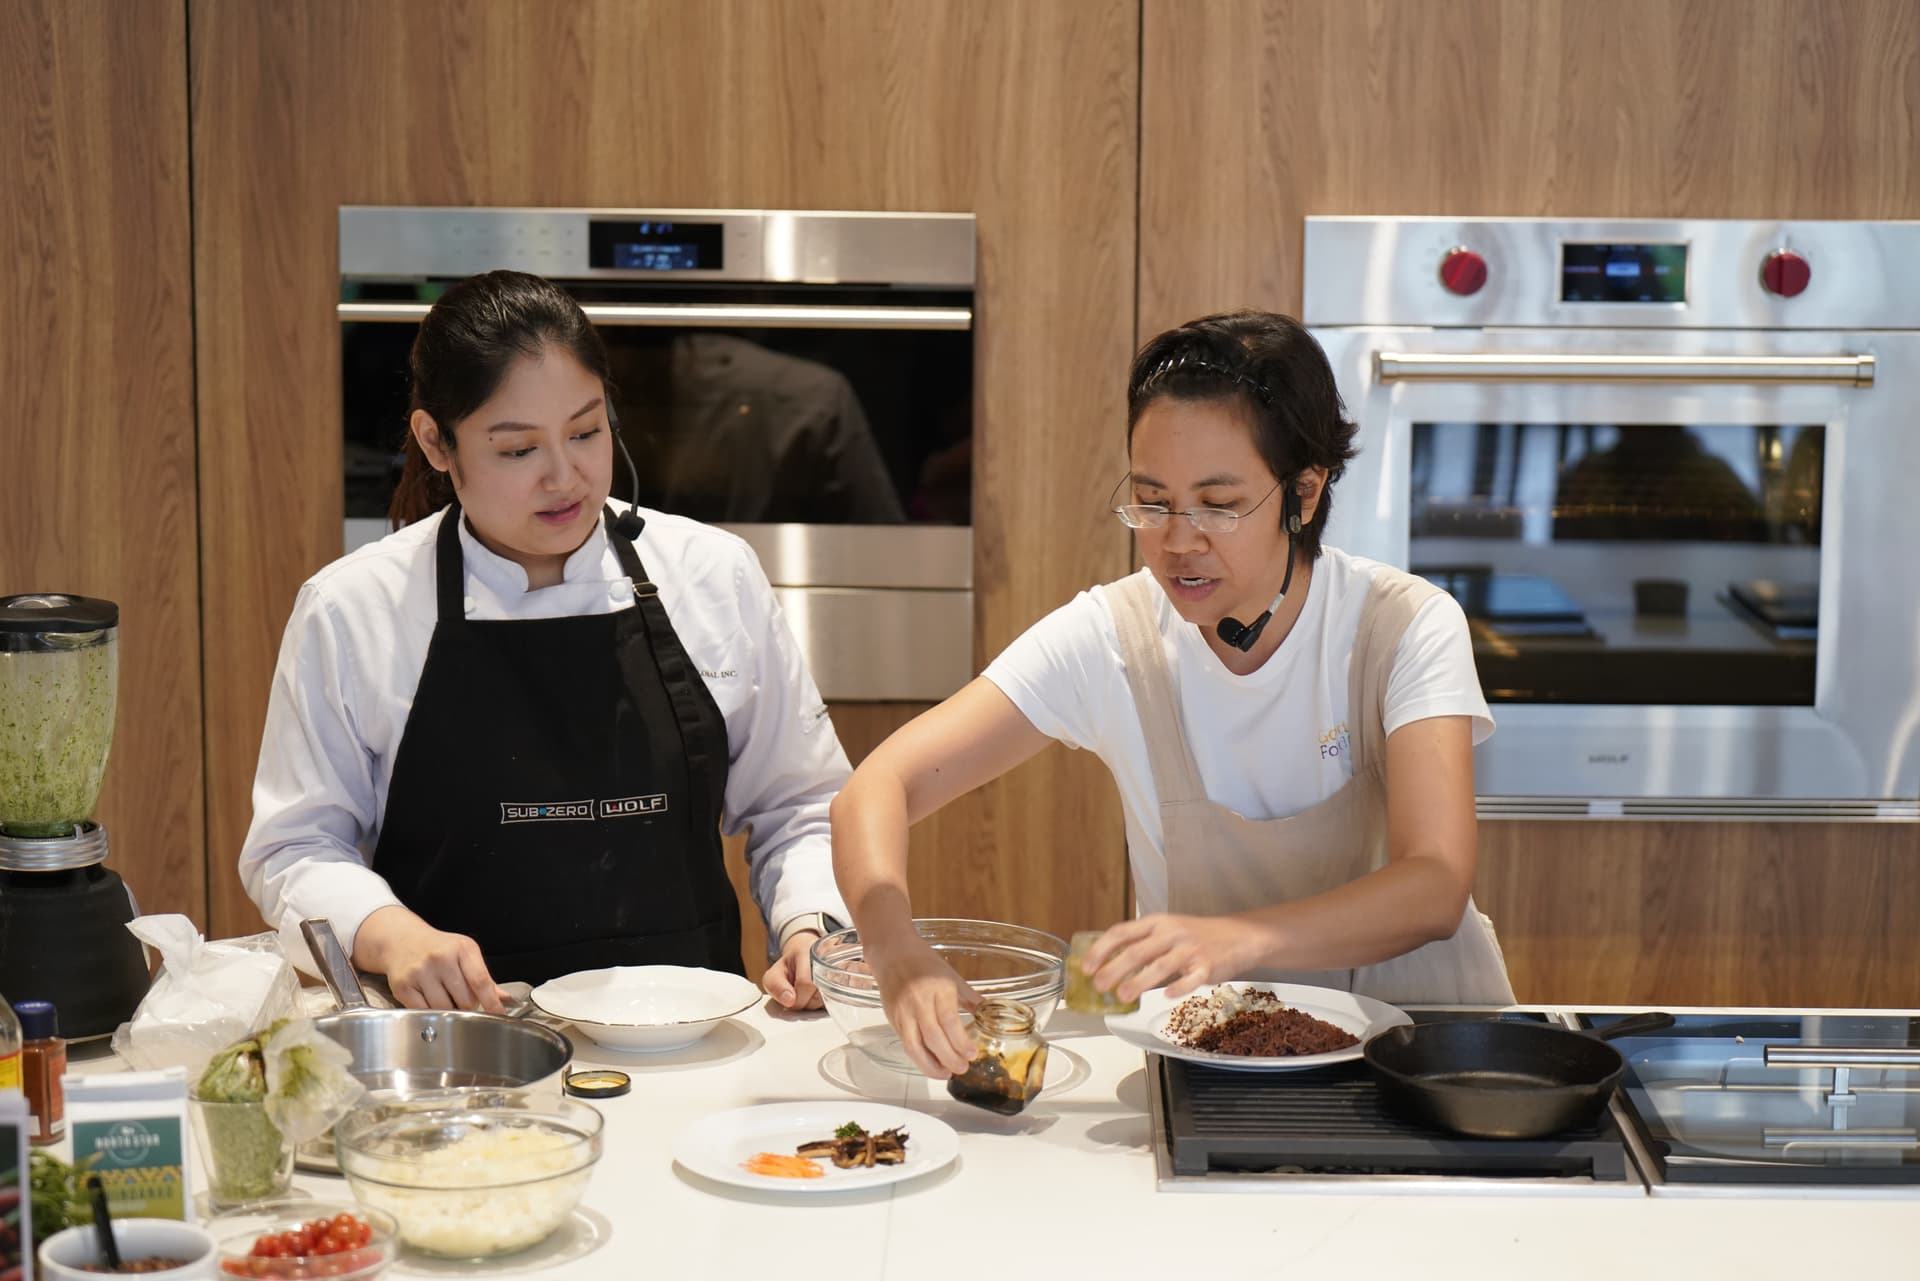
776 1166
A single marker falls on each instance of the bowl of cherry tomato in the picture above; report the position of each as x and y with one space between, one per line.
293 1240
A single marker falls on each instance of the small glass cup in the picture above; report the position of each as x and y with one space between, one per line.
1082 995
245 1156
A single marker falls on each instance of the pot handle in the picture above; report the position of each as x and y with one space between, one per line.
1633 1025
331 960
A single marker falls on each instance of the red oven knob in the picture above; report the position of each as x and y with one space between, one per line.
1463 271
1785 273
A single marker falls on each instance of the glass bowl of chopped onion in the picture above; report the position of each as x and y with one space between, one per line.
469 1174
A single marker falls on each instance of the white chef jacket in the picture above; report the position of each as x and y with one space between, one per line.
351 659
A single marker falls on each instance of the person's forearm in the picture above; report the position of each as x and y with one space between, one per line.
870 857
1403 905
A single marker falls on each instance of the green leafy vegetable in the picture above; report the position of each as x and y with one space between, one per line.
851 1130
59 1194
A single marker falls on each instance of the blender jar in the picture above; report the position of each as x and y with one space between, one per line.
59 679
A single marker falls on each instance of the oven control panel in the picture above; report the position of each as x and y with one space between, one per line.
1613 273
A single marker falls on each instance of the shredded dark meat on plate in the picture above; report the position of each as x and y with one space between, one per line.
1271 1030
1271 1033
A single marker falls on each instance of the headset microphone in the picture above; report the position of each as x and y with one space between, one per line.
629 523
1243 636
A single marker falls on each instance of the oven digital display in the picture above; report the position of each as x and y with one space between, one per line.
1623 273
654 245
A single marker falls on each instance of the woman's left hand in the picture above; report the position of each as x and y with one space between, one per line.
790 979
1178 952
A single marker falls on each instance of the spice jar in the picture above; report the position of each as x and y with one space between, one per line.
43 1061
1011 1060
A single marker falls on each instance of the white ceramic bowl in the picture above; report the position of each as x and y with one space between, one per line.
64 1254
646 1007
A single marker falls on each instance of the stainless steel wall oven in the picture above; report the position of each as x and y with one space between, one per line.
1669 469
803 379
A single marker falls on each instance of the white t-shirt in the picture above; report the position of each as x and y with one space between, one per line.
1268 744
351 660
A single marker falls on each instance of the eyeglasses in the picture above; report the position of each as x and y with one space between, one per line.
1208 520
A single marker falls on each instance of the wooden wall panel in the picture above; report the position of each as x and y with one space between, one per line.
96 388
1022 113
1257 114
1706 913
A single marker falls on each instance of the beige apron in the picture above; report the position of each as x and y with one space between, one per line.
1218 861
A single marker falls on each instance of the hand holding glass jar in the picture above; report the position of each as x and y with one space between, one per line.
1081 994
1011 1061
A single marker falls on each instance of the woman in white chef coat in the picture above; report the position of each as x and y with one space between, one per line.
1291 728
503 740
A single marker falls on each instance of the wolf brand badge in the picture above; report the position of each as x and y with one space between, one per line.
547 812
632 806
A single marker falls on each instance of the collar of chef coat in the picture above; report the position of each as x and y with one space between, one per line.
591 580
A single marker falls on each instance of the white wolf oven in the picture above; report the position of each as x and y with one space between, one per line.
1670 469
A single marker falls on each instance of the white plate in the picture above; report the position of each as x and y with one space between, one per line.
715 1146
646 1007
1361 1015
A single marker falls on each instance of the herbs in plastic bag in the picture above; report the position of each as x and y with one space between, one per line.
262 1097
310 1083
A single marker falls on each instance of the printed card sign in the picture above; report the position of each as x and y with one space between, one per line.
16 1219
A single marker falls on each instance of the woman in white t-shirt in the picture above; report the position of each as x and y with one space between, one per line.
1291 728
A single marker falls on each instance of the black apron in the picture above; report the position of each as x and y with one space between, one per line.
558 788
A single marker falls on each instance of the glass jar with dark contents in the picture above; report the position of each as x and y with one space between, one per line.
1011 1060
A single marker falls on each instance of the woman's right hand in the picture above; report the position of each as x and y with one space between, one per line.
923 997
427 969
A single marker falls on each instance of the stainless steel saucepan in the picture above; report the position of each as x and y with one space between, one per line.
408 1050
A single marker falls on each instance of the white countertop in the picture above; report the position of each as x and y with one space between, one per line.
1069 1188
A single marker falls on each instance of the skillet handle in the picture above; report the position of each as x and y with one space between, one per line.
1633 1025
331 959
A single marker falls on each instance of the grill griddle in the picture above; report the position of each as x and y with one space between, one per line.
1331 1121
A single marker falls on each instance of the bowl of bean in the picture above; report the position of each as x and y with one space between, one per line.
164 1248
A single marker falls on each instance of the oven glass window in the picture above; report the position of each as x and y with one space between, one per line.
1627 563
813 425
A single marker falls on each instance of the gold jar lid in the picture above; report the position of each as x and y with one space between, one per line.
598 1083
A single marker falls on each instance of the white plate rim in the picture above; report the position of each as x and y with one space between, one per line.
752 989
1142 1027
932 1144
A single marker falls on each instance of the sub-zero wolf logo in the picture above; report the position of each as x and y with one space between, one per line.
547 812
634 806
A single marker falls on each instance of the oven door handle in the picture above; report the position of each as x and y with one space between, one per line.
711 315
1533 367
1897 1057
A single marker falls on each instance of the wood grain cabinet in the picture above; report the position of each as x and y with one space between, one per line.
96 390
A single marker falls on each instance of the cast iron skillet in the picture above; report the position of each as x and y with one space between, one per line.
1501 1080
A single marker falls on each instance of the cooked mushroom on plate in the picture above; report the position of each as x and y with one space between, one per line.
852 1147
